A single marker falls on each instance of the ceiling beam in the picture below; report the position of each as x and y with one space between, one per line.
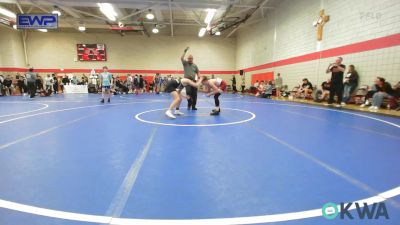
252 6
159 15
30 9
95 22
195 17
138 12
171 19
137 3
238 12
226 12
19 6
248 17
66 9
40 7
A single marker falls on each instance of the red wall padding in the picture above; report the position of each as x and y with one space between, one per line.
262 76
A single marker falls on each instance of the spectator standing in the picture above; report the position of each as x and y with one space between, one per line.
350 84
31 80
136 84
278 85
39 83
243 85
141 84
49 83
129 81
55 84
157 83
337 70
234 84
64 81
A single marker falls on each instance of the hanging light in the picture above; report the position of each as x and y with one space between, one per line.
108 10
7 13
82 27
210 15
202 31
155 30
56 10
150 15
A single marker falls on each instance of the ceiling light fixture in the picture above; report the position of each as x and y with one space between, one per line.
202 31
82 28
210 15
108 10
218 33
56 10
42 30
7 13
155 30
15 26
150 15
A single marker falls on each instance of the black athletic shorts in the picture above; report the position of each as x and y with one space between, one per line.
173 85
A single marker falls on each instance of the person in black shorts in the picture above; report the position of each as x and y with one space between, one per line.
337 69
214 87
136 84
176 88
141 84
21 84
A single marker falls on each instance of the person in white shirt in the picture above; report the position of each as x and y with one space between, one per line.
74 80
256 84
129 82
93 78
49 82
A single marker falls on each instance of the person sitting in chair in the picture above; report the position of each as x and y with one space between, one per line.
323 94
383 90
305 89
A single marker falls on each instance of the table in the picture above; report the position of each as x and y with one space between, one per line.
75 89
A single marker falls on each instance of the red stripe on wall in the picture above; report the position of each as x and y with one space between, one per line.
219 72
378 43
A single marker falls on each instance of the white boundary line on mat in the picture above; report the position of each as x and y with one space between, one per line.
45 106
137 116
217 221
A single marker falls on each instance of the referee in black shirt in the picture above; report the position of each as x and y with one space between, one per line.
337 70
